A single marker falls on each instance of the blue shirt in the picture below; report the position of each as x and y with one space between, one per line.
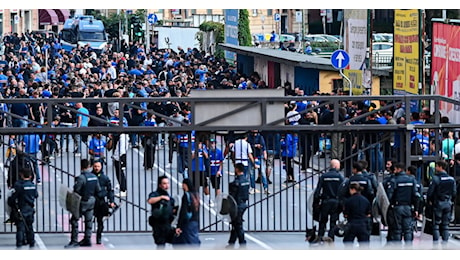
200 156
84 119
98 146
31 143
216 157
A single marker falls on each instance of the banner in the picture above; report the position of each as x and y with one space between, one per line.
445 67
356 37
231 31
356 78
406 51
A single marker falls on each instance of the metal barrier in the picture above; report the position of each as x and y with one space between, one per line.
283 208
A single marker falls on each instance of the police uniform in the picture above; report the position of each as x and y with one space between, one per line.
364 182
402 194
101 208
239 190
326 194
441 194
24 198
356 209
162 230
87 186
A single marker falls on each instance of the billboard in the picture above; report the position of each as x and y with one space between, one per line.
355 43
445 67
406 52
231 31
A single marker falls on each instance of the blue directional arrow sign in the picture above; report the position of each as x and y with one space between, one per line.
152 18
340 59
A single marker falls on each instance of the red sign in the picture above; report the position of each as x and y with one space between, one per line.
445 66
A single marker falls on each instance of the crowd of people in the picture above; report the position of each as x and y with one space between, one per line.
38 68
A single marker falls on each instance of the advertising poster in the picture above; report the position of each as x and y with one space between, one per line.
445 67
406 53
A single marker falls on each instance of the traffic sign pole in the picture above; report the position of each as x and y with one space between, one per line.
340 60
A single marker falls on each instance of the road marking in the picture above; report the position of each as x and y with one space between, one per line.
39 242
253 239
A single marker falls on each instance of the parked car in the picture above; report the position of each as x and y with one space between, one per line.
287 38
382 52
315 38
330 38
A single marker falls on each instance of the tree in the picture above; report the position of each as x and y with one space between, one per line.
244 33
218 29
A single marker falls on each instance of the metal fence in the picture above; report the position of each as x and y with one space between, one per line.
283 208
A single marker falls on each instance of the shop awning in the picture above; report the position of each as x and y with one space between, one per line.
63 14
47 16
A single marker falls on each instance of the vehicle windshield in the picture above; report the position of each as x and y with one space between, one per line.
92 36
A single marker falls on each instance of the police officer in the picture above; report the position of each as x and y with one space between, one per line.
326 197
402 194
87 186
163 204
357 211
357 177
23 197
389 218
239 190
442 193
104 200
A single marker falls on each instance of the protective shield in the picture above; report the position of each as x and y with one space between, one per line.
112 211
62 195
313 211
226 207
73 203
176 209
7 206
383 203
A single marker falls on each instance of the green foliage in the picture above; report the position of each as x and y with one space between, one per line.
218 29
244 33
111 23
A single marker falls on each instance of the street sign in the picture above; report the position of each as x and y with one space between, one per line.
152 18
277 17
340 59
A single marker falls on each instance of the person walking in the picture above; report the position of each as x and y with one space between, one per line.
104 200
162 213
23 200
239 190
442 193
87 186
187 230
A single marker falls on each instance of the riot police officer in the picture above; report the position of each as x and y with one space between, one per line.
23 197
441 195
326 197
357 211
357 177
104 200
87 186
239 190
402 194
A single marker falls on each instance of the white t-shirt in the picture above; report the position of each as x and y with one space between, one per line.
242 149
294 120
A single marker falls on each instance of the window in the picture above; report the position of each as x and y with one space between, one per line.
209 11
254 12
269 12
193 11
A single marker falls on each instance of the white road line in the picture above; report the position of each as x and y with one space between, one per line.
213 212
39 242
